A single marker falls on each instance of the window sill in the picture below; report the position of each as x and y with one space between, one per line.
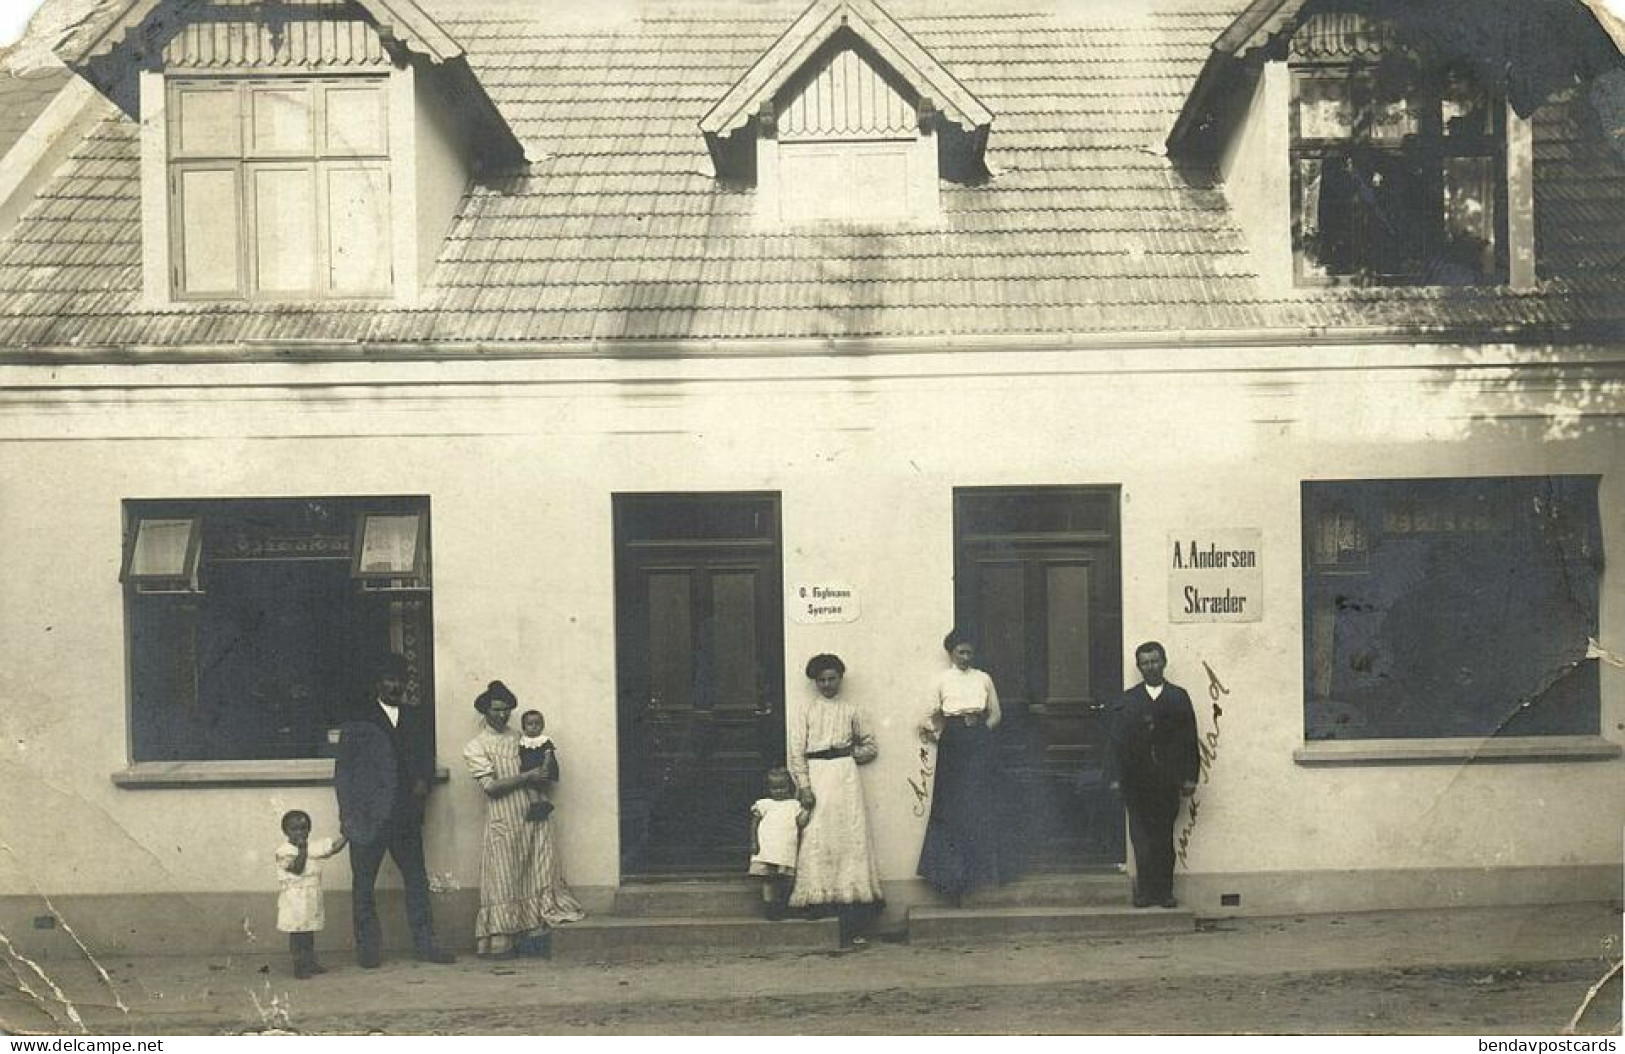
1425 751
144 775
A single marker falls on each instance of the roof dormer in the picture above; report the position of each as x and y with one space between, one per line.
309 151
851 120
1382 142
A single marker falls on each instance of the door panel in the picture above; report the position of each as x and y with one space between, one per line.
670 638
1066 592
1001 592
700 675
733 632
1037 583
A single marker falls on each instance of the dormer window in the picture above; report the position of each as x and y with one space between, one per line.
844 143
1399 170
846 120
279 188
292 152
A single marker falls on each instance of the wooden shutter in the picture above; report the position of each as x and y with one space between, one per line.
356 121
283 227
206 122
281 121
358 226
209 252
844 181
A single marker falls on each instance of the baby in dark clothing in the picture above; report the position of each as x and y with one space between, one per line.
536 752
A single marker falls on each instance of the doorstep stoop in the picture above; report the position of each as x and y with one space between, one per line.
965 925
1085 889
614 938
689 900
675 918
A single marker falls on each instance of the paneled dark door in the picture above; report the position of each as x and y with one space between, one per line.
699 644
1037 582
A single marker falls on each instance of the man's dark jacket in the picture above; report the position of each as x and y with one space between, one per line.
376 767
1153 741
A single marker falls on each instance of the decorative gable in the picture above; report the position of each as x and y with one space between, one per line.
307 27
850 120
845 96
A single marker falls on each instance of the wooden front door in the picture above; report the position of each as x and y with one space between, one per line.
1037 583
700 646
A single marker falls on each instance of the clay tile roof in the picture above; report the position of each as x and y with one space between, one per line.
618 229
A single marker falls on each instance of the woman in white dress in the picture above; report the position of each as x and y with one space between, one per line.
835 867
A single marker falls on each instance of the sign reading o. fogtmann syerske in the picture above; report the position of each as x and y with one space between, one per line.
1216 576
824 602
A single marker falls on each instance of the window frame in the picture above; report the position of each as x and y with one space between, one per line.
1428 150
405 615
1436 742
319 157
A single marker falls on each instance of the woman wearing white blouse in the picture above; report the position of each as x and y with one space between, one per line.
967 836
829 739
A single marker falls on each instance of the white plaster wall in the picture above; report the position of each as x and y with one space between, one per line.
521 466
1256 169
442 165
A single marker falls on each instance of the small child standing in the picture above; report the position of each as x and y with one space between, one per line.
775 834
299 911
536 752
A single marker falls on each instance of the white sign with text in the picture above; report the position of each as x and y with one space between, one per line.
824 602
1216 575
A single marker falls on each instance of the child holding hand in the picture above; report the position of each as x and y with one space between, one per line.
775 835
299 911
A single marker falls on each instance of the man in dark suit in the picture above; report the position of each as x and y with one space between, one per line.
1154 762
382 773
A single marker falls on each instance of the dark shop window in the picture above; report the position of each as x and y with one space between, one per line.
251 622
1450 607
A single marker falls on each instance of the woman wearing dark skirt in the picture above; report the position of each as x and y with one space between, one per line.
967 839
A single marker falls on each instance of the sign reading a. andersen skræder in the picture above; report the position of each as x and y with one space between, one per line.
1216 575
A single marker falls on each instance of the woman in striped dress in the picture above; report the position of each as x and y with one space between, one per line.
522 889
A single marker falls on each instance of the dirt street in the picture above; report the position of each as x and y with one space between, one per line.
1537 1001
1466 971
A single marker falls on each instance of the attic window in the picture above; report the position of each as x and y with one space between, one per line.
1399 171
846 142
279 188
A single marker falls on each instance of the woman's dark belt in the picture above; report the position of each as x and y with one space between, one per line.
970 720
829 755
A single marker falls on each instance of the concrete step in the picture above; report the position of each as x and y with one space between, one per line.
1089 889
612 938
689 900
967 925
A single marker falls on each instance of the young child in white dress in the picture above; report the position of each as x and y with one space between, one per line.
299 911
536 751
775 834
